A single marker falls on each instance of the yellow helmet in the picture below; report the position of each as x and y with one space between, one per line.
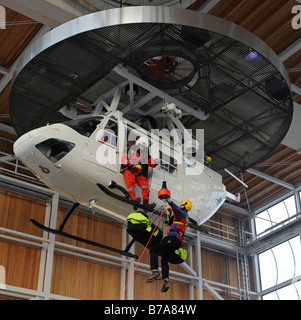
187 204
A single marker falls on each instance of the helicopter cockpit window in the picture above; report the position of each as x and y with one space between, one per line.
55 149
84 126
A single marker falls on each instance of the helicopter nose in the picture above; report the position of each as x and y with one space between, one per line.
24 145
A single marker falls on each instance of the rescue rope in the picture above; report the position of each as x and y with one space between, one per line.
163 210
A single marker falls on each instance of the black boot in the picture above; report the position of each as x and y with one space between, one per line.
152 205
138 201
165 285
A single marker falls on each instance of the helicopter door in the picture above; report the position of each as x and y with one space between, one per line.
170 171
102 147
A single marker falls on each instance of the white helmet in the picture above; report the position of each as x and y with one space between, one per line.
143 141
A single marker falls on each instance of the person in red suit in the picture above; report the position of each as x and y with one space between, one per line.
132 169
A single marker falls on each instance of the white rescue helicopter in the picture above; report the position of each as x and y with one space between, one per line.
80 159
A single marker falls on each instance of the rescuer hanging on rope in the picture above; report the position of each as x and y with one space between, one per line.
133 162
170 243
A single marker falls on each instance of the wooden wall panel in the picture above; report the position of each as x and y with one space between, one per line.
232 278
212 266
92 228
21 264
220 268
16 210
78 278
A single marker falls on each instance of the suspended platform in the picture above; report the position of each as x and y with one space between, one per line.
225 80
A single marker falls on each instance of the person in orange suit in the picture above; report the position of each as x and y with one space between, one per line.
132 169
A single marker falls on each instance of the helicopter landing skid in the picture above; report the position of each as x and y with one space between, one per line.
60 232
126 198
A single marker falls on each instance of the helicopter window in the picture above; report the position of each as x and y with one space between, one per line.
85 126
109 135
168 163
55 149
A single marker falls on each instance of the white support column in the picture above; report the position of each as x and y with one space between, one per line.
255 261
130 277
256 272
50 246
2 278
124 266
190 263
199 266
44 249
297 201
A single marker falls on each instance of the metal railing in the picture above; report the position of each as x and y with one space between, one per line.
221 231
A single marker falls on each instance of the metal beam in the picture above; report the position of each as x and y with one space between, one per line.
280 285
4 71
271 178
24 293
235 208
208 5
290 50
296 89
217 244
212 291
8 129
234 176
188 268
122 71
51 13
272 239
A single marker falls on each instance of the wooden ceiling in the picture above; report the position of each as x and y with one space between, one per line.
270 20
13 41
